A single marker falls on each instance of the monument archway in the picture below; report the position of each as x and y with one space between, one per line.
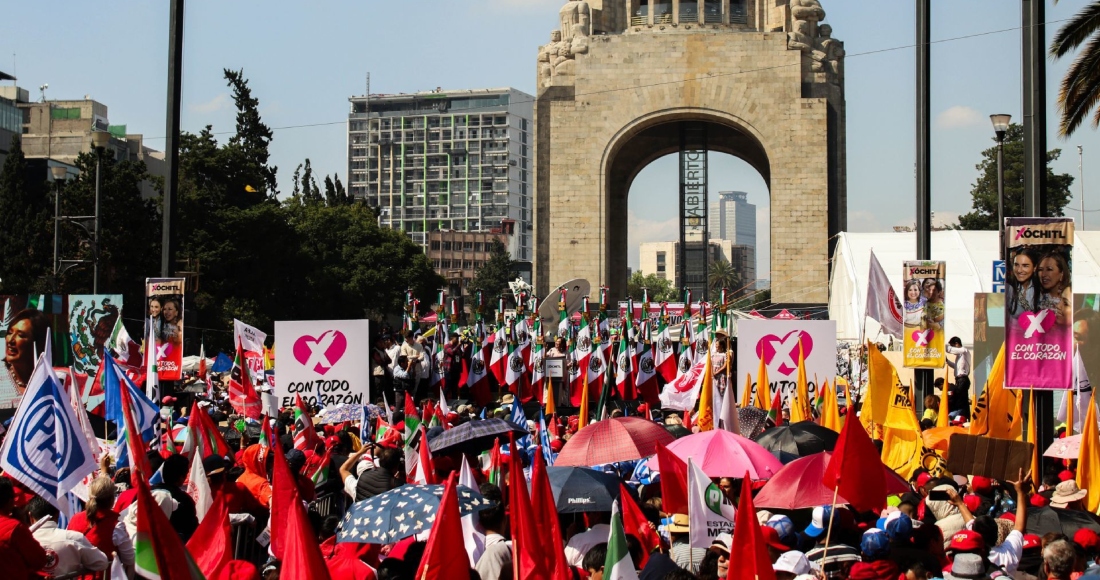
765 82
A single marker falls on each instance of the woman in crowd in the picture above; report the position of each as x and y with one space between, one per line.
99 523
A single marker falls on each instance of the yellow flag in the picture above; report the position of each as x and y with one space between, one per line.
830 410
902 450
996 413
705 419
1088 458
798 410
763 387
551 408
1032 438
942 419
1069 412
880 384
802 387
582 421
746 395
847 392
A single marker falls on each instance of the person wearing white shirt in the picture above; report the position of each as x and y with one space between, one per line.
67 552
579 544
959 401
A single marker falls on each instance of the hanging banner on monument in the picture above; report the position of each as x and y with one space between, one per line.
777 342
327 364
922 303
1039 303
165 299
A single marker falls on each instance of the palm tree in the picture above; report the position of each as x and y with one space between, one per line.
1080 90
723 275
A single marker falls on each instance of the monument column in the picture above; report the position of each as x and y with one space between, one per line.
725 11
675 11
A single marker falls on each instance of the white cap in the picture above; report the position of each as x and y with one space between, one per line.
794 562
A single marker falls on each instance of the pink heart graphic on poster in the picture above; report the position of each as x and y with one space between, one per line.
922 337
322 353
786 349
1036 322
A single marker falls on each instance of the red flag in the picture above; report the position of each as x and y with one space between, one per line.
284 496
425 465
542 502
301 553
673 472
208 440
156 537
527 544
855 469
212 545
636 524
242 393
305 434
749 550
445 555
410 407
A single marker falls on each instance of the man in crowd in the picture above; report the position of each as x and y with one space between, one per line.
67 552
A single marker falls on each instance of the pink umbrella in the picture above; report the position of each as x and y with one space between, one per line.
722 454
612 440
798 485
1065 448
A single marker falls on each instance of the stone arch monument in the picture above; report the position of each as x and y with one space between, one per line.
624 82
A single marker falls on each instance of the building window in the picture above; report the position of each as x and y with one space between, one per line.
446 246
435 244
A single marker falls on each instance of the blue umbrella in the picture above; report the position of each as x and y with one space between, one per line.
579 489
341 413
402 512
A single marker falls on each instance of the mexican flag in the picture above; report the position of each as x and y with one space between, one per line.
618 565
664 350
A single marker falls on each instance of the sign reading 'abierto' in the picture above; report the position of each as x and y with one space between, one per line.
327 363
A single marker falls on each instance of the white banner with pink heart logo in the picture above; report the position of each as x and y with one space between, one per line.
777 341
328 363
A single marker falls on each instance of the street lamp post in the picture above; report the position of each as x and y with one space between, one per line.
58 173
1000 127
100 139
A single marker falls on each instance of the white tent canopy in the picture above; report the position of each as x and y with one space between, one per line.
969 256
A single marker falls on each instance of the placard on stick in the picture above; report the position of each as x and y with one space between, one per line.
999 459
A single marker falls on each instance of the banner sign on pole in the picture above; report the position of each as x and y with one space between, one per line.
922 301
1039 303
165 298
327 363
777 342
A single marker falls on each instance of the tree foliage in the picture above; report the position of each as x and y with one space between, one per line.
26 229
493 277
1080 88
722 274
660 289
984 192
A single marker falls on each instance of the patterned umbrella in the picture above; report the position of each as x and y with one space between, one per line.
339 414
474 436
402 512
753 421
612 440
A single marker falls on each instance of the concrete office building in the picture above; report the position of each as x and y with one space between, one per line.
445 161
660 258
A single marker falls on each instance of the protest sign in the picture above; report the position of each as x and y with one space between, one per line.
165 300
324 361
922 302
1039 303
251 340
777 342
1000 459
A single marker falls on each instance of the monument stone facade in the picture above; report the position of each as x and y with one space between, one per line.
620 77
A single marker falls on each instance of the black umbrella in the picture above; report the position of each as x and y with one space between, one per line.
800 439
677 431
1044 520
579 489
474 436
752 420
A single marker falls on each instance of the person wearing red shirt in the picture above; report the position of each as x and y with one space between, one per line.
21 554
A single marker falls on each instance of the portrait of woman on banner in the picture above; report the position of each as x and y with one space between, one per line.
914 304
1021 291
933 307
24 337
1055 295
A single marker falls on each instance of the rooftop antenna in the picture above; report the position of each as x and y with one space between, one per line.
42 89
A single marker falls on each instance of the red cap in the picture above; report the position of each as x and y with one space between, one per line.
923 478
973 502
1039 501
556 445
1065 475
966 541
1032 541
1008 516
981 484
1087 539
332 441
771 538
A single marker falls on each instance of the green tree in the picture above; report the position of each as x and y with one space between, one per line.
129 226
252 138
493 277
722 274
754 300
660 290
26 232
984 192
1080 89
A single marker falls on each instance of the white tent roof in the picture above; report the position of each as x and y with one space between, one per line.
969 256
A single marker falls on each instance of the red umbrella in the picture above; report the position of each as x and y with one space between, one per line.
798 485
618 439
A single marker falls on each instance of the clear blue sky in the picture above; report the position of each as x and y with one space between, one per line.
305 59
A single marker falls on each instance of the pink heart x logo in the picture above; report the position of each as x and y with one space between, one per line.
1036 322
921 337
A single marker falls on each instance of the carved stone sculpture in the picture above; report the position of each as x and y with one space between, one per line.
799 37
805 14
575 12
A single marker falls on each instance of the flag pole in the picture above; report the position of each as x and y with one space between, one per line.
829 528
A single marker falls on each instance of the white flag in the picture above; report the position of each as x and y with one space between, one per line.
882 302
471 535
710 513
197 485
682 392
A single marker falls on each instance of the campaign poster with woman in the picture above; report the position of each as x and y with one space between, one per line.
165 312
1039 303
923 314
